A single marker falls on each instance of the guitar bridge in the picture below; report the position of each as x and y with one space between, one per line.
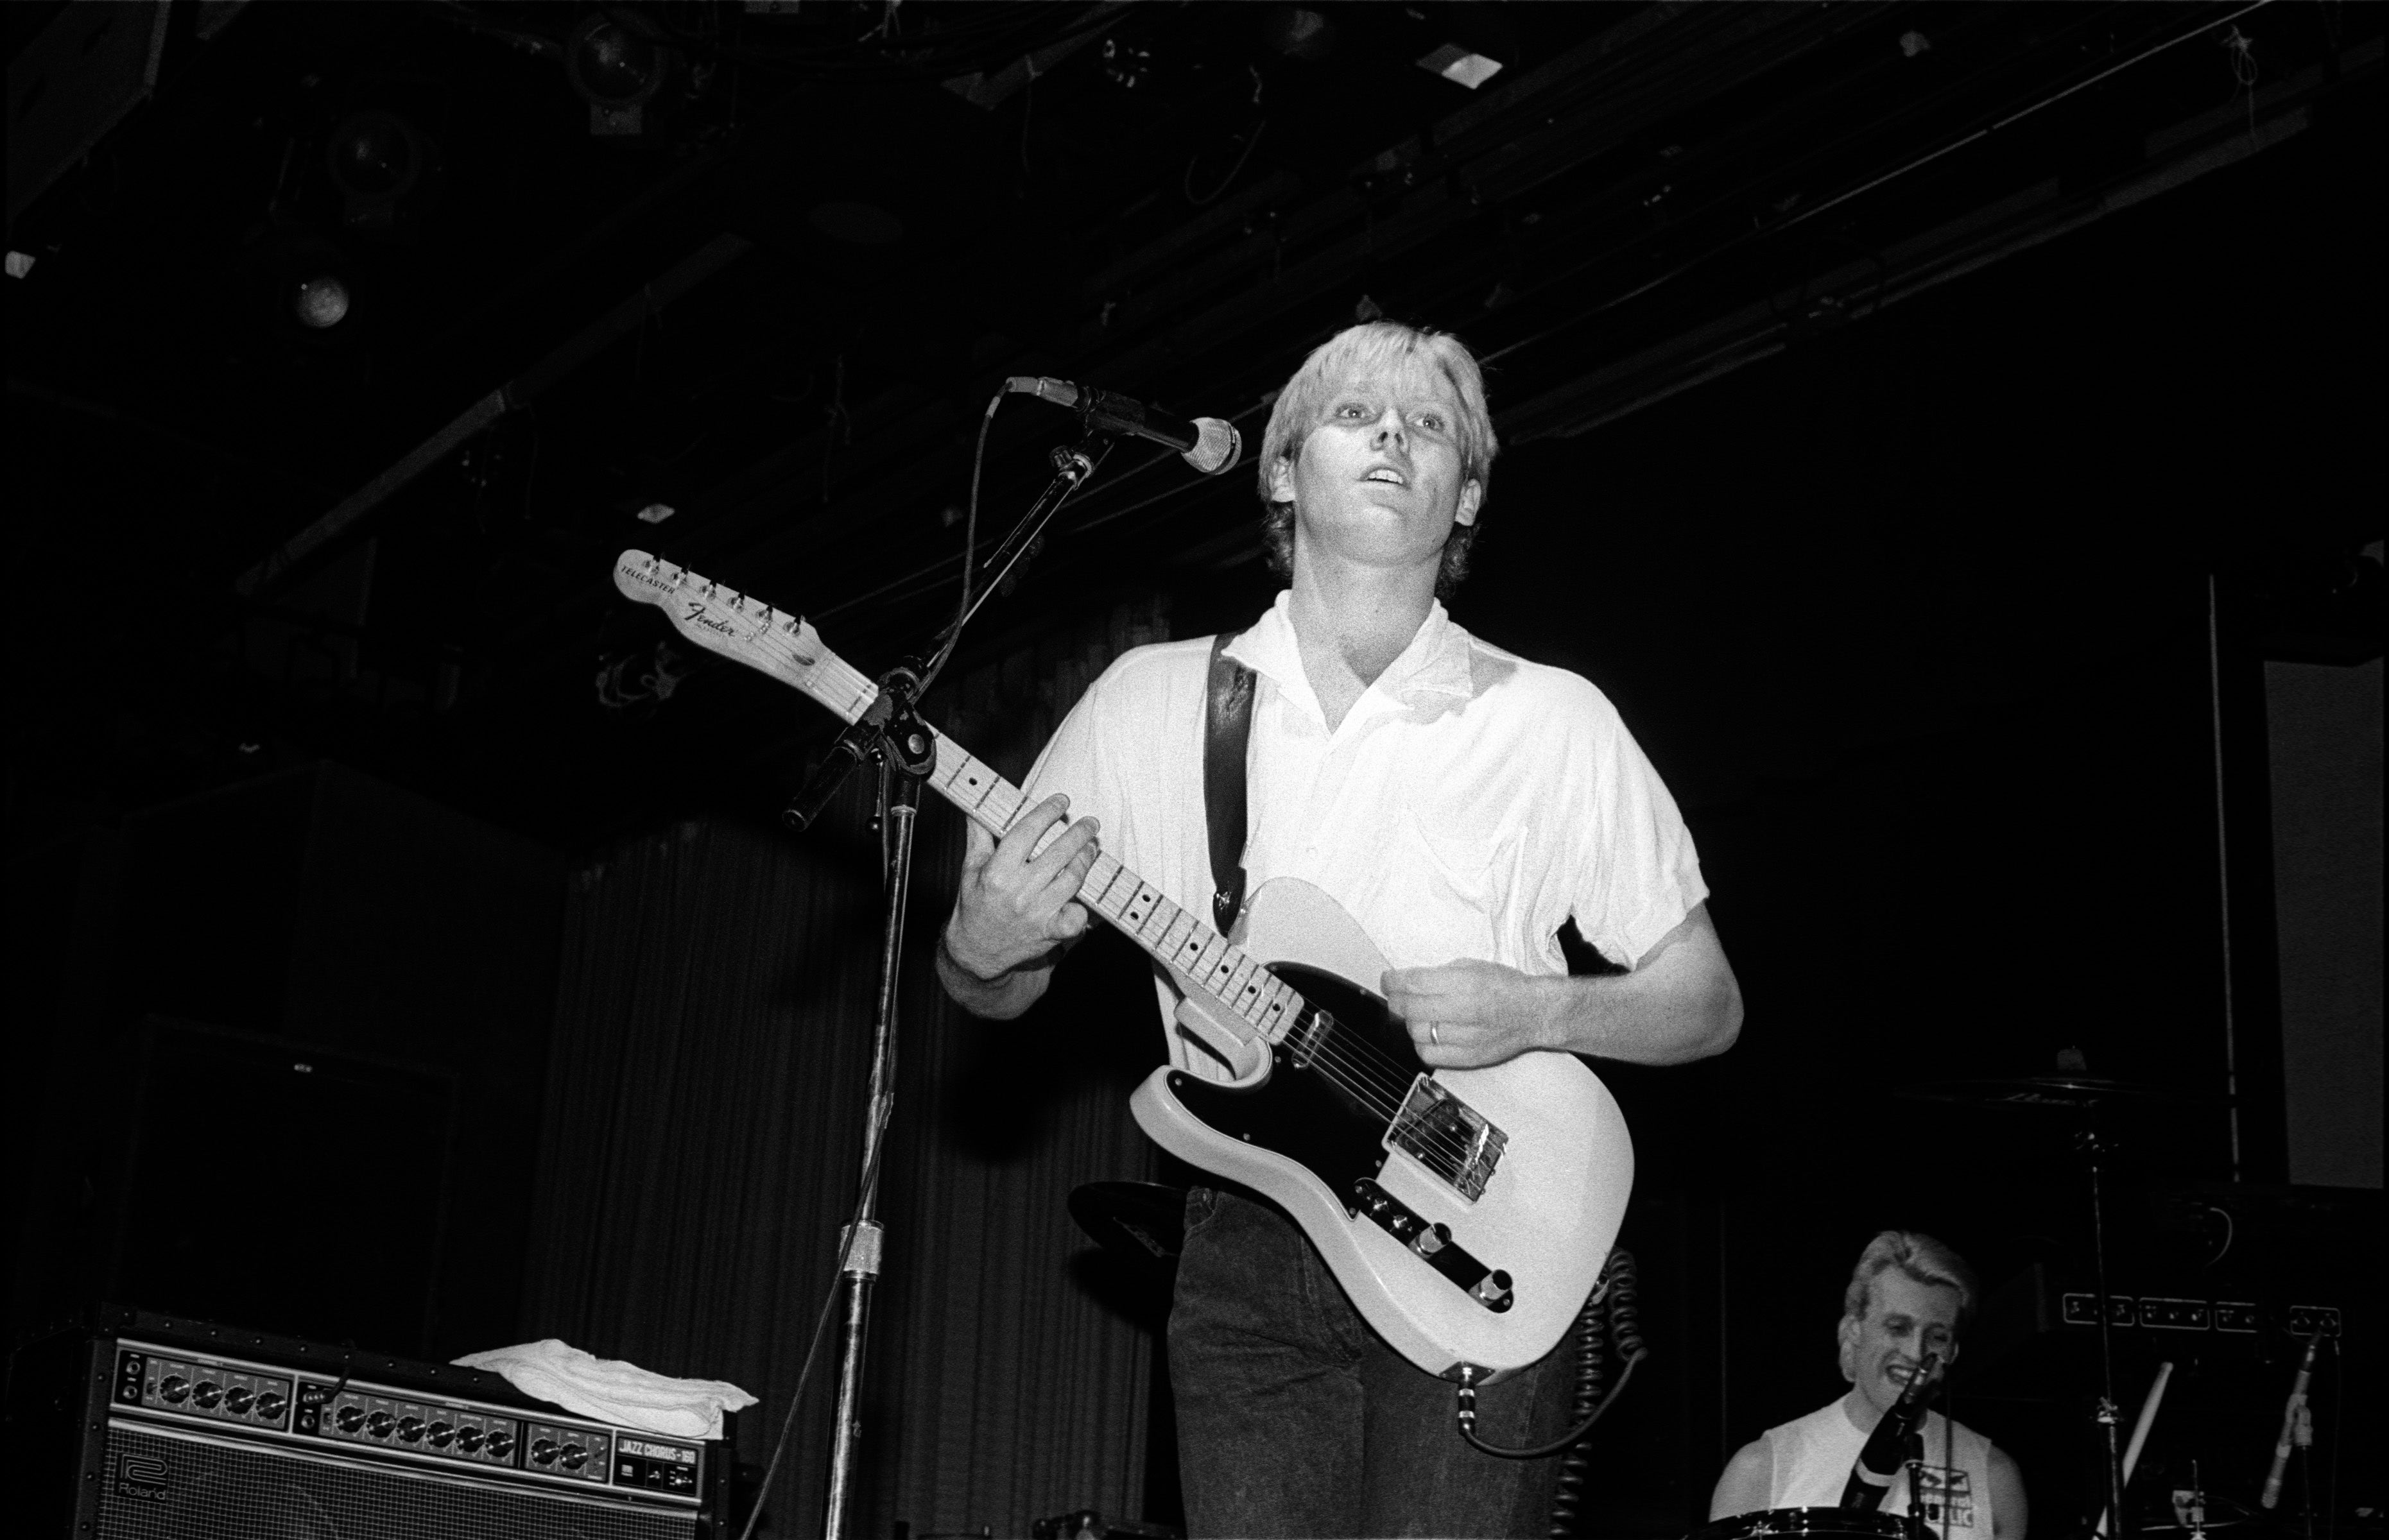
1449 1137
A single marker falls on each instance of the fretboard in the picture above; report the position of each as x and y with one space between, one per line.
1175 937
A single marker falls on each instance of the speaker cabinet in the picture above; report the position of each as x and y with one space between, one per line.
273 1183
291 1067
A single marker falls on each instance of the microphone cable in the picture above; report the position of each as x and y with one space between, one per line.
954 633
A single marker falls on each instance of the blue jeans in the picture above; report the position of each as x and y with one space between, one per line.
1294 1419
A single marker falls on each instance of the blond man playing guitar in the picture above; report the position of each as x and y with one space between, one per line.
1458 805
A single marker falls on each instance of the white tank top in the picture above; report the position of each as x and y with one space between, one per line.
1812 1458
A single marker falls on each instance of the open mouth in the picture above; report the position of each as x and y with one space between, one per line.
1386 474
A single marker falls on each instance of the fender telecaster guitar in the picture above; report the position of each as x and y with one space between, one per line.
1467 1213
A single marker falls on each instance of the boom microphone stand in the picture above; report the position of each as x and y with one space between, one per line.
891 732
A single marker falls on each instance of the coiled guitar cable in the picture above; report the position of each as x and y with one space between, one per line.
1617 1300
1607 1320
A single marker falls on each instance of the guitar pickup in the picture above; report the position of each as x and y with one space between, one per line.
1490 1287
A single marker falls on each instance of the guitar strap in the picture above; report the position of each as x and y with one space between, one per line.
1227 730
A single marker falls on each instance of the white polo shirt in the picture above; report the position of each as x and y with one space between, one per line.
1468 804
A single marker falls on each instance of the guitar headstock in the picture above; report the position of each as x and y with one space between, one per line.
724 620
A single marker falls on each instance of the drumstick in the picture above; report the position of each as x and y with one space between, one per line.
2140 1433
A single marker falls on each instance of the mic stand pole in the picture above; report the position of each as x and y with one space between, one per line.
906 752
2092 1147
890 732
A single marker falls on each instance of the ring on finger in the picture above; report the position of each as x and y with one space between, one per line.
1434 1035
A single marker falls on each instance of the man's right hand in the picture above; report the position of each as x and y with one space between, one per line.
1016 908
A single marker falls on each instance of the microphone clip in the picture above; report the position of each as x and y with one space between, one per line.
889 728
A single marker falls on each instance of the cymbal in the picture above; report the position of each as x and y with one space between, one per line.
1144 1221
2080 1093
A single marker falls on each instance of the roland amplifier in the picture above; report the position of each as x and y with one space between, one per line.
183 1430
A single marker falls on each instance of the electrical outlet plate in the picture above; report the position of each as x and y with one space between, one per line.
2175 1315
2083 1310
2308 1320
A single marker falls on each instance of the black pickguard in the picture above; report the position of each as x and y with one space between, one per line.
1302 1114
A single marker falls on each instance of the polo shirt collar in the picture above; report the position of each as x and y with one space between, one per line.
1434 667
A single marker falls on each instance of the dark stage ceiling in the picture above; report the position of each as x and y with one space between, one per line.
778 307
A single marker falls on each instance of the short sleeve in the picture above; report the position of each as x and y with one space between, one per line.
1072 760
1636 874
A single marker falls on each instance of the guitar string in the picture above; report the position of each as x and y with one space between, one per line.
1369 1075
1364 1070
1357 1066
1371 1078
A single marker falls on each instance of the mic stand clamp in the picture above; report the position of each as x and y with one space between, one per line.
889 727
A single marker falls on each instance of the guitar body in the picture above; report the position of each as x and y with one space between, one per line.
1548 1213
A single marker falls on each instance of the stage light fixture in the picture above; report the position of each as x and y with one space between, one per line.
320 302
375 159
616 71
1298 31
1461 65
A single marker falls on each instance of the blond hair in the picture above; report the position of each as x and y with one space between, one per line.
1921 1257
1372 348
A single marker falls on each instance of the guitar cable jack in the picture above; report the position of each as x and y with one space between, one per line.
1466 1414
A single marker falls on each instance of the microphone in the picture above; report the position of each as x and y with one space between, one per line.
1206 444
2290 1413
1886 1449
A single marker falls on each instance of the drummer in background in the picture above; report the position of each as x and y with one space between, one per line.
1908 1296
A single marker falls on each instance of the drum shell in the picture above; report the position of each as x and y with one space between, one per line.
1806 1523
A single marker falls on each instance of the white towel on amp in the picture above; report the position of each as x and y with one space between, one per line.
613 1391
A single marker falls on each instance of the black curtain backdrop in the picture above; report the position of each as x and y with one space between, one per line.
703 1141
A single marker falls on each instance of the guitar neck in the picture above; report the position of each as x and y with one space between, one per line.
1174 936
785 647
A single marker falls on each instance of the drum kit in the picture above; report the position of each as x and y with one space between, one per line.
2081 1110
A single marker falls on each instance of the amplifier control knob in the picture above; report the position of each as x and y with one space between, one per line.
575 1457
379 1424
500 1445
350 1419
442 1435
174 1388
468 1439
208 1394
269 1406
543 1452
238 1399
411 1429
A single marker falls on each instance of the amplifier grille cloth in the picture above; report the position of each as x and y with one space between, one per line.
214 1492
